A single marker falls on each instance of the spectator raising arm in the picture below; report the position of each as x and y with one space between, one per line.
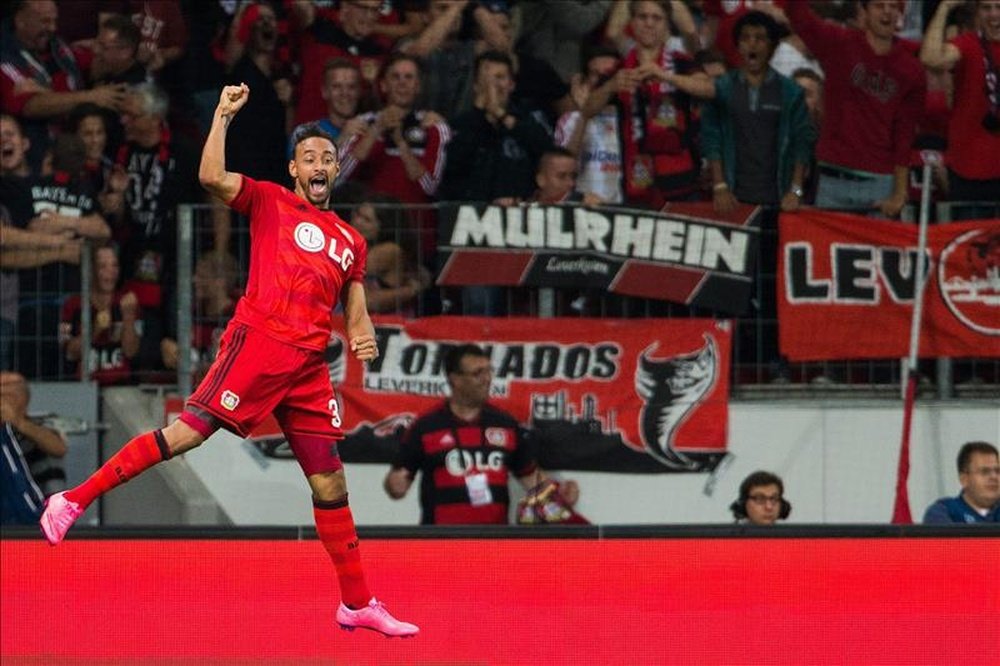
936 53
437 31
45 103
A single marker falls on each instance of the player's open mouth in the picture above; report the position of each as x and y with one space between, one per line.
317 186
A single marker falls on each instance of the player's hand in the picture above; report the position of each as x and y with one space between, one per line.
232 99
364 348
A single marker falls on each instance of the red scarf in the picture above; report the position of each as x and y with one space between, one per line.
162 151
655 143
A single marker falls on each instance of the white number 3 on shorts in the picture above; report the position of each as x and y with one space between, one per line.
335 411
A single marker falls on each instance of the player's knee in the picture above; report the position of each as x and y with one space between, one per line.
328 486
181 437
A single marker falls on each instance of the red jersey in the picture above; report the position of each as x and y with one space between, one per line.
57 69
879 97
300 260
161 24
972 151
384 170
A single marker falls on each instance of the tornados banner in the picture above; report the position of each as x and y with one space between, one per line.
846 288
602 395
687 254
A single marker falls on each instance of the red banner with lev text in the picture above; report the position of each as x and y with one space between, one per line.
846 287
608 395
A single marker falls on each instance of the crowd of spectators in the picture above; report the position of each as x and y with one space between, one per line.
604 102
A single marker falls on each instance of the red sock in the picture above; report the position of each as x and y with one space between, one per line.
335 526
140 453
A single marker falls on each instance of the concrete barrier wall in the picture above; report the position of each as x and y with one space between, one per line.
838 460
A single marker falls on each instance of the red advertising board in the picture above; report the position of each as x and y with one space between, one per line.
506 602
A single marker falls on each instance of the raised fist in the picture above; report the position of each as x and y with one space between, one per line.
232 99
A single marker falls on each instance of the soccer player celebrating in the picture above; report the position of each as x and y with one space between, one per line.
303 259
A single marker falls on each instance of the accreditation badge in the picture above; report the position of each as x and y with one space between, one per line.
479 489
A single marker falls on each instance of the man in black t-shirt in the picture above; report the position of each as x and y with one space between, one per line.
62 204
154 172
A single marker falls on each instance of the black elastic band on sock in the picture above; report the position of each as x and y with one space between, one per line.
335 504
161 443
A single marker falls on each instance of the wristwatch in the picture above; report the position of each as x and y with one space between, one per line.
797 191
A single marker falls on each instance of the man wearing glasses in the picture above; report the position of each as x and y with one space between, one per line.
466 449
116 53
979 501
761 500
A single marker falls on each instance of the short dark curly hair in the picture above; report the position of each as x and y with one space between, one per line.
308 131
775 31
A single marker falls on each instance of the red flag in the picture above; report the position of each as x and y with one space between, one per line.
901 507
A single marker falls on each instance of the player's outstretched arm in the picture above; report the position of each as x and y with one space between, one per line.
358 324
213 174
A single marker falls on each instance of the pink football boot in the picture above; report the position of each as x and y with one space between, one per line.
59 516
374 616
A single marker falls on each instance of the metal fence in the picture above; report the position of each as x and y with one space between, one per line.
757 369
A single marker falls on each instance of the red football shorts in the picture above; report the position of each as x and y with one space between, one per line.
255 375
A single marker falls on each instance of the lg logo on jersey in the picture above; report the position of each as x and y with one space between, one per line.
460 463
311 239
